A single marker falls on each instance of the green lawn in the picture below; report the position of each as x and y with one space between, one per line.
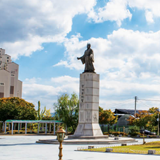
138 149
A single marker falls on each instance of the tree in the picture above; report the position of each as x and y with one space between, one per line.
107 117
153 110
67 110
100 109
145 119
45 114
16 108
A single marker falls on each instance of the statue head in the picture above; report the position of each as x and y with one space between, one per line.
88 45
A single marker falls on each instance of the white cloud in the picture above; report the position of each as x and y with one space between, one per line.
123 54
120 94
29 23
118 10
149 16
48 91
114 10
151 8
25 26
32 80
61 63
127 61
113 93
64 79
23 47
130 104
127 88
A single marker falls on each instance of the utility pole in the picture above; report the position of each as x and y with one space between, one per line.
158 121
135 106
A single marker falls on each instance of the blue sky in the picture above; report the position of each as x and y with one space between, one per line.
45 37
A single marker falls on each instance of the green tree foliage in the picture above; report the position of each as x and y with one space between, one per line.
45 114
153 110
67 110
100 109
107 117
134 130
16 108
145 119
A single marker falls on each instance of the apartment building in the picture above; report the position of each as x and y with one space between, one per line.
10 86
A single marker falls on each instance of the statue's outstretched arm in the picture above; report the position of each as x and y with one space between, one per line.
80 57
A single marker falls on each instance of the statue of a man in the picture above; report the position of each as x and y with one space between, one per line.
88 59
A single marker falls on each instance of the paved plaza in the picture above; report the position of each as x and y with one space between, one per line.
25 148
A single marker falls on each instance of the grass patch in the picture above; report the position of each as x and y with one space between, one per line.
136 149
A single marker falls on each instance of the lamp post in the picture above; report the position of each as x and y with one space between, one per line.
60 136
143 138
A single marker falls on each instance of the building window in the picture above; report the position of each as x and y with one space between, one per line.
1 94
12 73
7 60
12 90
1 84
7 57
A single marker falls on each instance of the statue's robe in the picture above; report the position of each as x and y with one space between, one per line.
88 59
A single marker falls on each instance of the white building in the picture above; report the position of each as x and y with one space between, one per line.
10 86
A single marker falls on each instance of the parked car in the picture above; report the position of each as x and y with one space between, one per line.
147 132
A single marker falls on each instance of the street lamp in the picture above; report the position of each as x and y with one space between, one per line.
60 136
143 138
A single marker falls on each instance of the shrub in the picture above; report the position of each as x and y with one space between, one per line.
134 130
105 133
152 136
116 133
124 134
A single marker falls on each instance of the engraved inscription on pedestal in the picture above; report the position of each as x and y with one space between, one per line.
82 93
81 105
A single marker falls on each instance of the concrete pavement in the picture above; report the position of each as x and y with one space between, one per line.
25 148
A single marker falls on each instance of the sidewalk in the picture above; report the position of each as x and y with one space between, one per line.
25 148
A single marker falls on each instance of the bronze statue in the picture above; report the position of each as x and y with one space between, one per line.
88 59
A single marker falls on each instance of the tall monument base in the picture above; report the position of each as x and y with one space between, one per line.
88 106
88 130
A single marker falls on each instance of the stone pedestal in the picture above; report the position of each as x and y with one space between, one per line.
88 106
